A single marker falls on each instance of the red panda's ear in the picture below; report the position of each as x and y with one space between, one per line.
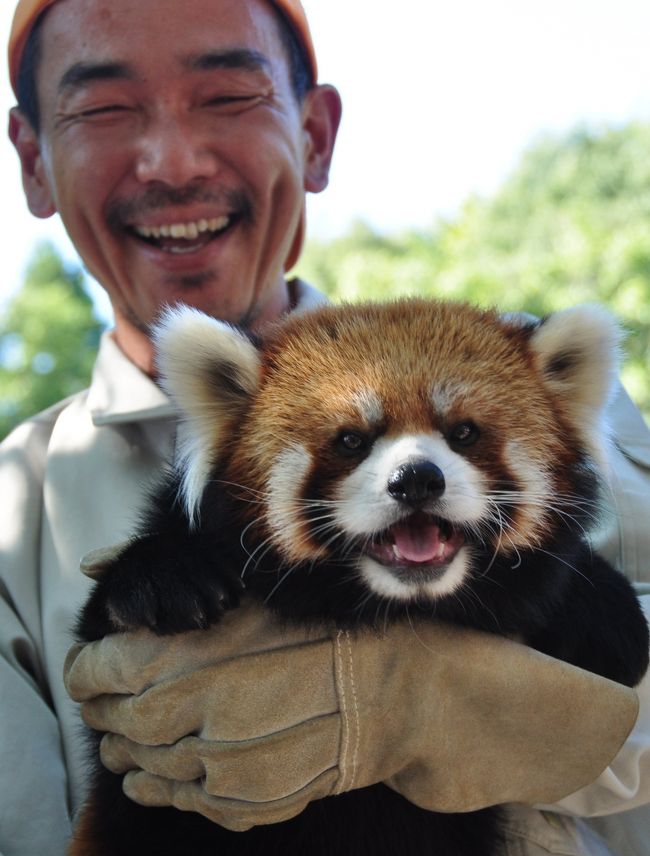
210 370
577 354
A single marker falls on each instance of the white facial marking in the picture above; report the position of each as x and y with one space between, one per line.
369 406
365 506
284 505
535 496
388 585
445 395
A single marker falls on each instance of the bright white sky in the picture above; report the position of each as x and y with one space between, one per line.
440 98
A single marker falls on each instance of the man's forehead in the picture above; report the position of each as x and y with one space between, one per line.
28 11
186 32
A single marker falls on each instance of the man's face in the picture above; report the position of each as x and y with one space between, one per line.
175 151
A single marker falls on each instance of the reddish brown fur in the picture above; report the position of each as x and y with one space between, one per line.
84 840
313 364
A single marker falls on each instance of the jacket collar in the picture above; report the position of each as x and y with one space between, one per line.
120 393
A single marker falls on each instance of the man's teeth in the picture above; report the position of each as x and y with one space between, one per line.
189 231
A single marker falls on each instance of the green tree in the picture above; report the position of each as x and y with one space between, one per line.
48 339
571 225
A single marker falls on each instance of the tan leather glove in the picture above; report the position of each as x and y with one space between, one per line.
248 722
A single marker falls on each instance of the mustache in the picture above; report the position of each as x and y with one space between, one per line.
123 212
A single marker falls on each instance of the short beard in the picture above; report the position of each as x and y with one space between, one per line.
129 315
244 321
192 281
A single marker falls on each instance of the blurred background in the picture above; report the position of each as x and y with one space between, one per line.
497 152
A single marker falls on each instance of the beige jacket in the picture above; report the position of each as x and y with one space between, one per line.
60 475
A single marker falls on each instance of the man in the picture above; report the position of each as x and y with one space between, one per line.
177 141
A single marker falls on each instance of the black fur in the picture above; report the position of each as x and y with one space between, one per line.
563 600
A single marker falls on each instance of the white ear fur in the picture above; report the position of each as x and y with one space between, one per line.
578 352
210 370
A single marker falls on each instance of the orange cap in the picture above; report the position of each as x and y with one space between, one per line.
27 11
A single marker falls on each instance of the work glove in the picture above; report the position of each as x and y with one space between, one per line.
249 721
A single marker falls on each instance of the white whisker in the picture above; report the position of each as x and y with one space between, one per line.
279 583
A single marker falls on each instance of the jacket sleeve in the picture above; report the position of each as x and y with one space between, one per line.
32 769
624 539
625 784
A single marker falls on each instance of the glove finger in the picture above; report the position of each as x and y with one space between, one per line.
237 700
263 770
236 815
139 719
123 663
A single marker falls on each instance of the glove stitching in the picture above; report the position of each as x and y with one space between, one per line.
357 721
351 719
345 737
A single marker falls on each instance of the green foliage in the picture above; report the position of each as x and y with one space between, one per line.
571 225
48 339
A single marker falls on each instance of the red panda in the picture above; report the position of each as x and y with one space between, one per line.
361 463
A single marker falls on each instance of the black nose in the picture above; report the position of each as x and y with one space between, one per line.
416 482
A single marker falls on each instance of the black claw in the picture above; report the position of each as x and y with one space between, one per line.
151 587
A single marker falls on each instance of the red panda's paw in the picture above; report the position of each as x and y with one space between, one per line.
166 591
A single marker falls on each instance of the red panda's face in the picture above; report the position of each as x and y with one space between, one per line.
412 443
400 510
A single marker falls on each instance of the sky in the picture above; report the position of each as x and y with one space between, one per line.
440 99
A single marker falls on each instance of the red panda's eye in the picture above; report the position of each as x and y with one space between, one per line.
351 443
464 434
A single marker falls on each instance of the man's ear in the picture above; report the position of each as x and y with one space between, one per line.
321 117
35 183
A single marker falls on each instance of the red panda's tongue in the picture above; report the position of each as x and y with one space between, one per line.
417 540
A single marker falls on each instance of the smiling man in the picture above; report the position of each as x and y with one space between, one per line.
177 142
176 156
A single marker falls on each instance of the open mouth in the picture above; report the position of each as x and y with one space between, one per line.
183 238
420 543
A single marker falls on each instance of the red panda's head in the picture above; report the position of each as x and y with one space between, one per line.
406 439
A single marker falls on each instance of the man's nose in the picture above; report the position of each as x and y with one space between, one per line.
172 152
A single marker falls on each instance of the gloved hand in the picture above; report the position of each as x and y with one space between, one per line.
248 722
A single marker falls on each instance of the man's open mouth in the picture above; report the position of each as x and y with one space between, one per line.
420 542
186 237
